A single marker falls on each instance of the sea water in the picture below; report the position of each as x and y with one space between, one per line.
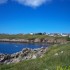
10 48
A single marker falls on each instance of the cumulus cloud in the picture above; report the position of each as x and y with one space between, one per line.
32 3
3 1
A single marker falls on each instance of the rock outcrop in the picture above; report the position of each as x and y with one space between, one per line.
36 40
25 54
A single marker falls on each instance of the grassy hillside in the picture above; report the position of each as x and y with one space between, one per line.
27 36
56 58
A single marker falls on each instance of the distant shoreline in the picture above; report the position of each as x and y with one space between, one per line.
37 40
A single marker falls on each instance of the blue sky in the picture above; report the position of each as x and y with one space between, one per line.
25 16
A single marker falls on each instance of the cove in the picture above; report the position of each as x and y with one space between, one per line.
10 48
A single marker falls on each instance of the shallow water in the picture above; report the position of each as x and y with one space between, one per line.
10 48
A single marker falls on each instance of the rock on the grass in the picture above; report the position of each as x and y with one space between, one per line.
61 51
56 54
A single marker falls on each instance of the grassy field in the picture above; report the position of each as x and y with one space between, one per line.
57 57
27 36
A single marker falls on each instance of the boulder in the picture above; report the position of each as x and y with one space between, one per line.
34 56
37 40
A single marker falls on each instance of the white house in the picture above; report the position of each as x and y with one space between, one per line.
63 34
31 33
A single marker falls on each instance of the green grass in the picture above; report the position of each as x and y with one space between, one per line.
50 61
27 36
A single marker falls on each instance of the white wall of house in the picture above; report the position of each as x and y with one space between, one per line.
31 33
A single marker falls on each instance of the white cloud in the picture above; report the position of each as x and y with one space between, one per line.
32 3
3 1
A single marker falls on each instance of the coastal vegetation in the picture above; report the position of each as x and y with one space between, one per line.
57 57
36 38
28 36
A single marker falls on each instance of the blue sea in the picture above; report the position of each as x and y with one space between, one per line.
10 48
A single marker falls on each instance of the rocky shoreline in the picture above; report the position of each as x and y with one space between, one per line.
25 54
37 40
